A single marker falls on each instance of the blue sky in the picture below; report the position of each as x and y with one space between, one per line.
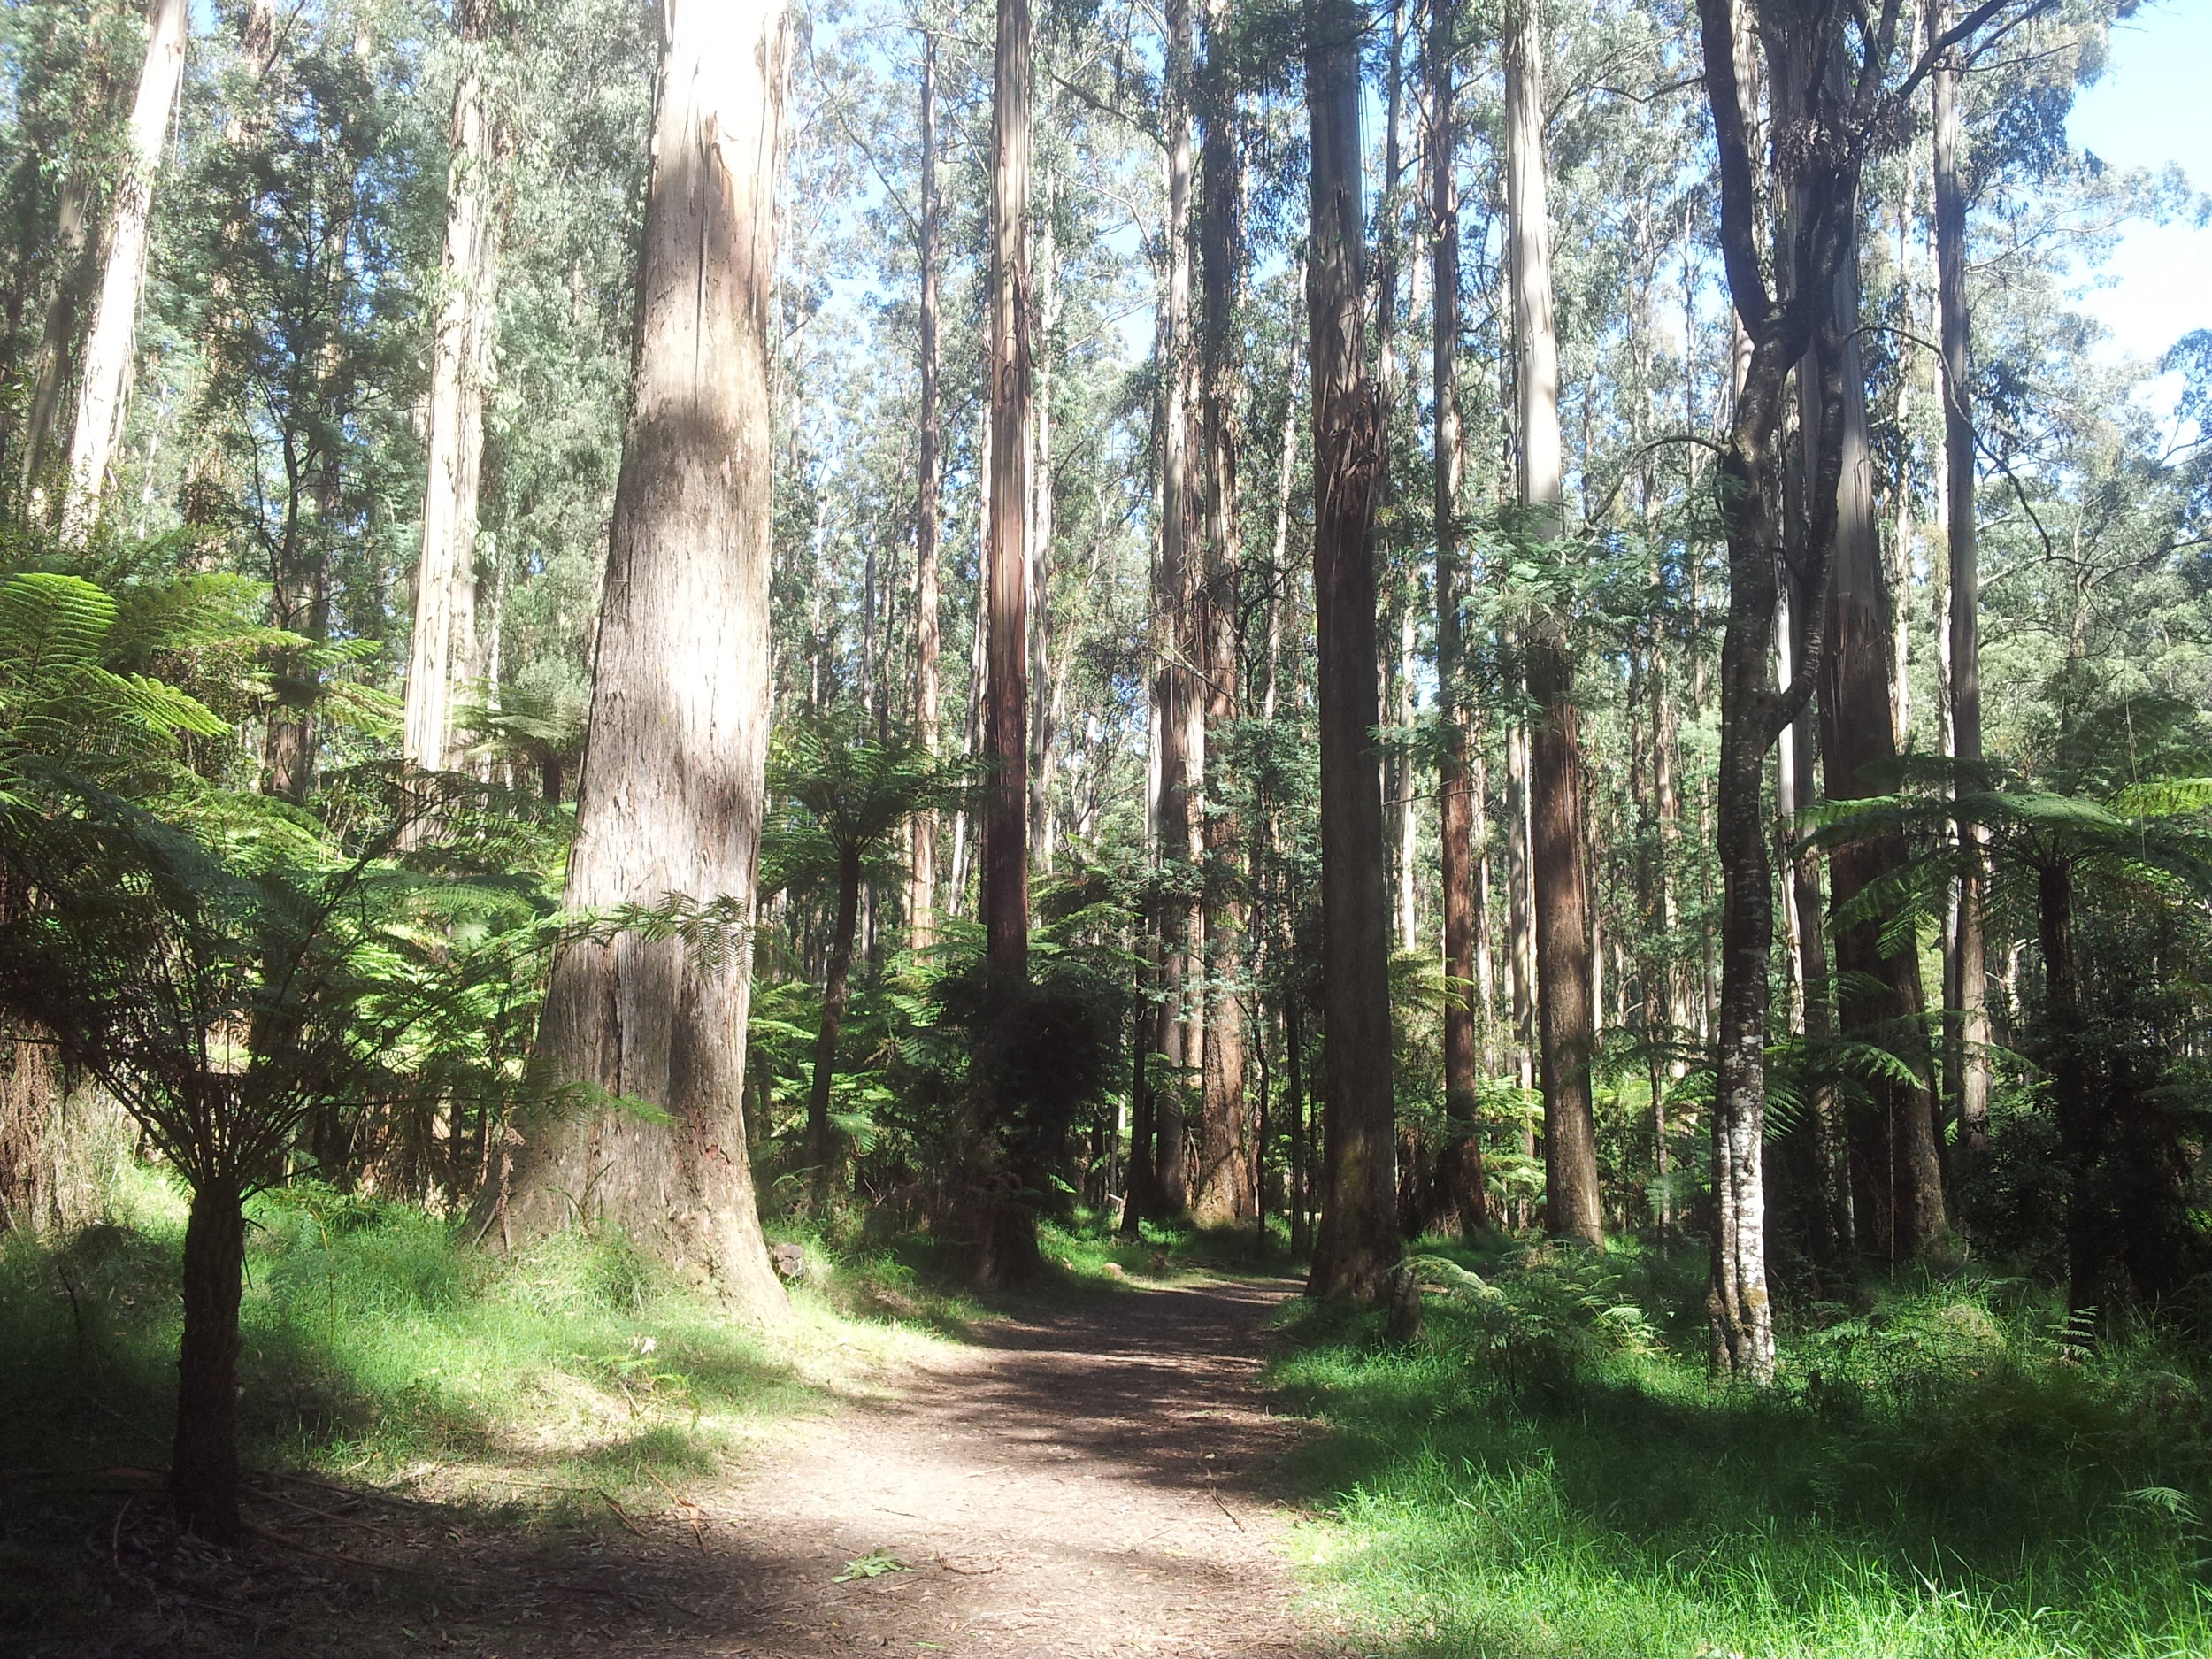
2153 106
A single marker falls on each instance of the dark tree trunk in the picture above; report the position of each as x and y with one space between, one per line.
1880 997
1295 1086
821 1153
1566 1021
203 1463
1137 1200
2079 1137
1358 1242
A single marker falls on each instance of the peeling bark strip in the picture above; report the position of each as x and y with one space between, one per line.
670 796
444 648
1359 1233
114 341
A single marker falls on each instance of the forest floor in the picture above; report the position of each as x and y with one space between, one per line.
1089 1480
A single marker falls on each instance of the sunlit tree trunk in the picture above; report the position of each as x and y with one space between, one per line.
1460 1166
670 796
928 633
1359 1240
444 648
111 347
1565 1017
1225 1188
1968 1044
1012 363
1175 604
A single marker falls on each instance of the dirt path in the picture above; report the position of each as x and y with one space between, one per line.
1082 1483
1088 1482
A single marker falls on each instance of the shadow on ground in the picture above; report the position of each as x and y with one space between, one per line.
1088 1480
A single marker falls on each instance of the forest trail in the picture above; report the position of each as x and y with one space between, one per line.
1086 1481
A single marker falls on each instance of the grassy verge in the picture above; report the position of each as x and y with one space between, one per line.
377 1347
1549 1472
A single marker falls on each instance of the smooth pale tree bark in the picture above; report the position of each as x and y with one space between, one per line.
1012 367
928 631
1358 1241
670 800
1969 1031
1177 697
111 345
1225 1188
443 652
1566 1036
1460 1163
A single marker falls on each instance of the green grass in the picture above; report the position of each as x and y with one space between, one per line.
1548 1471
377 1345
1091 1253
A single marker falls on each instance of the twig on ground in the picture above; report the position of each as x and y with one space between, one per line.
692 1511
623 1516
1224 1508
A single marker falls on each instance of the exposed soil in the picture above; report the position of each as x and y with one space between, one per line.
1090 1482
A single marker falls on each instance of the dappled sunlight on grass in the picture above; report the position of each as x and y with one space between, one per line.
1549 1470
378 1346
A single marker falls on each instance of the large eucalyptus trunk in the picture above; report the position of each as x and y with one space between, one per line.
1224 1191
1176 697
1969 1033
111 345
1566 1034
444 651
1009 1228
1358 1240
921 908
1012 364
1879 991
1460 1166
669 799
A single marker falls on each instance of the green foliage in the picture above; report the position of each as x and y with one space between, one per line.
1548 1471
376 1337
